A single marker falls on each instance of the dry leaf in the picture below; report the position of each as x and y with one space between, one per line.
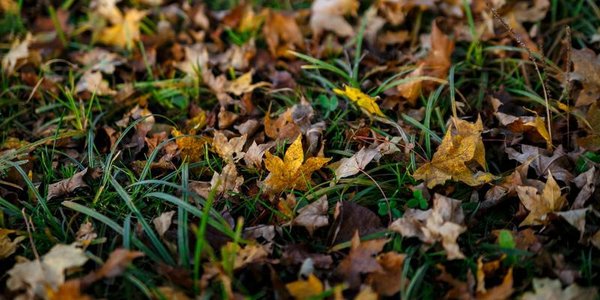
356 163
329 15
8 246
35 277
386 282
546 288
461 147
196 60
68 185
86 233
254 156
70 290
163 222
305 289
191 147
349 218
313 215
117 262
227 181
364 101
292 172
537 158
360 260
99 59
591 125
19 51
230 150
442 224
92 82
282 33
539 205
124 31
171 293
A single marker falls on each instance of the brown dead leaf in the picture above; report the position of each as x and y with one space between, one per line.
360 260
558 163
461 147
349 218
117 262
313 215
230 150
356 163
282 33
69 185
546 288
163 222
586 182
586 70
227 181
191 147
17 55
254 156
550 200
442 224
283 127
591 125
92 82
386 282
86 233
293 172
196 60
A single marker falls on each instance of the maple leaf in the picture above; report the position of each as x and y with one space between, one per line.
538 205
125 30
460 148
292 172
361 99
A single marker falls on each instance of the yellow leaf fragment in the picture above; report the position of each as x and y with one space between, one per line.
125 32
191 147
292 172
8 246
538 205
460 148
304 289
540 127
361 99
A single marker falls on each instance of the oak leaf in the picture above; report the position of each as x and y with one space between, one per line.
292 172
361 99
550 200
460 148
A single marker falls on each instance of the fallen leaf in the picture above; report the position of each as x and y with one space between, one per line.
70 290
92 82
243 84
586 182
19 51
364 101
99 59
356 163
349 218
460 147
329 15
86 233
283 127
125 31
305 289
163 222
586 70
576 218
537 158
69 185
230 150
313 215
227 181
254 156
360 260
191 147
282 33
292 172
386 282
551 200
8 246
196 61
591 125
36 276
171 293
442 224
546 288
117 262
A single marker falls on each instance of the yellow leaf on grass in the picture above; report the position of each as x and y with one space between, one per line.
191 147
361 99
292 172
124 33
460 148
304 289
538 205
540 127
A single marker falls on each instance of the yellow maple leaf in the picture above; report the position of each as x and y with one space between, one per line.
305 289
361 99
291 172
191 147
539 205
460 148
124 33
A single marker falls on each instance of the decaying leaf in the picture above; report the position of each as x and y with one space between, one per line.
550 200
546 288
292 172
19 51
591 124
70 290
387 281
86 233
361 99
163 222
254 156
442 224
229 149
360 260
586 70
92 82
117 262
313 215
68 185
349 218
542 161
461 147
35 277
191 147
243 84
282 33
227 181
8 246
196 60
329 15
356 163
305 289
